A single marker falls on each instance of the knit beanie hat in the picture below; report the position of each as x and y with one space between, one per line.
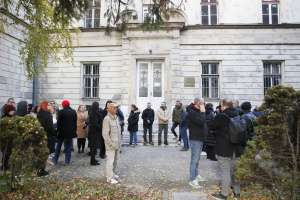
65 103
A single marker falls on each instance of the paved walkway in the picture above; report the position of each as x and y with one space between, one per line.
142 167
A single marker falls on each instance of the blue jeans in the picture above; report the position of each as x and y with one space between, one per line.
67 146
133 138
184 136
196 149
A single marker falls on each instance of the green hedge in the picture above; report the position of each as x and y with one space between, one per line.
28 143
272 159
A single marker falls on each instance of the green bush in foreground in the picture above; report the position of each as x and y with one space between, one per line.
27 141
272 159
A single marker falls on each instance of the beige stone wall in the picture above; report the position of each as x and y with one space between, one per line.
63 80
240 52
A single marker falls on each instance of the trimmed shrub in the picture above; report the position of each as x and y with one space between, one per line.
26 140
271 161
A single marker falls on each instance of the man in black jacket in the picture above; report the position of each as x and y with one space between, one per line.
66 126
227 152
148 119
198 132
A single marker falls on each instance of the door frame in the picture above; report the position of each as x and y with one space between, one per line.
150 63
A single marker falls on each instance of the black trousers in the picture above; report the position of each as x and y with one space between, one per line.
174 126
51 140
81 143
93 154
147 128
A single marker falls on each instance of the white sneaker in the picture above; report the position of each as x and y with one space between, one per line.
51 156
113 181
51 161
194 184
200 179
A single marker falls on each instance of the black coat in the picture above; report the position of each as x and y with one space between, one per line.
189 108
211 138
95 125
148 114
67 123
133 121
220 124
22 109
197 125
46 120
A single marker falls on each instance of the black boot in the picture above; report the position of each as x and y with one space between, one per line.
94 161
42 172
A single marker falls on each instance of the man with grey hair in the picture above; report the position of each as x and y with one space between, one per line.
196 100
163 116
227 153
111 132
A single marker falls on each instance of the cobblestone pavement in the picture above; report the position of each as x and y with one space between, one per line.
141 167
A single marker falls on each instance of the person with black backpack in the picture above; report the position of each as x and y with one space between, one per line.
229 128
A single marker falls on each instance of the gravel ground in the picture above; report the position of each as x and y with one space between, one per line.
141 167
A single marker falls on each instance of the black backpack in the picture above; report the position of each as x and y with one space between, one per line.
237 130
251 123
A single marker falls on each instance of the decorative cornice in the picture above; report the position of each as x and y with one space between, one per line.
242 26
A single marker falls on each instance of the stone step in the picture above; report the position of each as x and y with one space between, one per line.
171 138
189 196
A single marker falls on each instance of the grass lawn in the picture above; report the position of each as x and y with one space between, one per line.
53 189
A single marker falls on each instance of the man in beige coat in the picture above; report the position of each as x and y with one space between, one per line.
111 132
163 116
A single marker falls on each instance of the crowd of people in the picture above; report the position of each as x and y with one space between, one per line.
222 133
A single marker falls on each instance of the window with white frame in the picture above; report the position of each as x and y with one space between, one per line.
209 13
91 80
210 80
270 12
92 15
272 74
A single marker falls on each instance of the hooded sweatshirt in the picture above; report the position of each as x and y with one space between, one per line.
22 108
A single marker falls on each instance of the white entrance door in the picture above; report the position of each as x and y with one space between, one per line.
150 84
